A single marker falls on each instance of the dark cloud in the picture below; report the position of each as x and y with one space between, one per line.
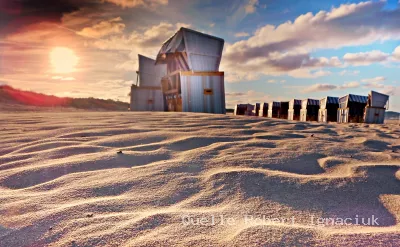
249 52
17 14
289 62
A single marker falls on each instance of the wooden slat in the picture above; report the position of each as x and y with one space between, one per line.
202 73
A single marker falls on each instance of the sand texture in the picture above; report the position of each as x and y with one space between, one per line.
63 182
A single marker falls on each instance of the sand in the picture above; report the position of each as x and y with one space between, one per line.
266 182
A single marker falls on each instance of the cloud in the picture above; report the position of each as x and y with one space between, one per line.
365 58
118 83
277 50
42 34
306 73
396 53
392 90
275 81
150 39
299 65
352 84
320 88
212 24
234 94
156 35
293 64
146 42
374 82
373 85
239 10
138 3
241 34
251 6
61 78
349 72
350 24
80 18
130 65
235 77
16 15
370 57
104 28
251 96
181 24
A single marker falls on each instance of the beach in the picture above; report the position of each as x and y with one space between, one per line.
191 179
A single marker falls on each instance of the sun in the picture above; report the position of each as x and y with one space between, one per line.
63 60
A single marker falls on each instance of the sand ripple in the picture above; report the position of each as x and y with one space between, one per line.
129 179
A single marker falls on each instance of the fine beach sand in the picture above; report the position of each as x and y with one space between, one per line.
62 182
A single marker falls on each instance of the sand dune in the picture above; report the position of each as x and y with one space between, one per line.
63 181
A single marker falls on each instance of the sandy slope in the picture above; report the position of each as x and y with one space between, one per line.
62 182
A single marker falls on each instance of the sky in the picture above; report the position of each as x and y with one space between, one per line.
274 50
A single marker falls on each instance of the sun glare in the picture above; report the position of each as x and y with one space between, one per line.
63 60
